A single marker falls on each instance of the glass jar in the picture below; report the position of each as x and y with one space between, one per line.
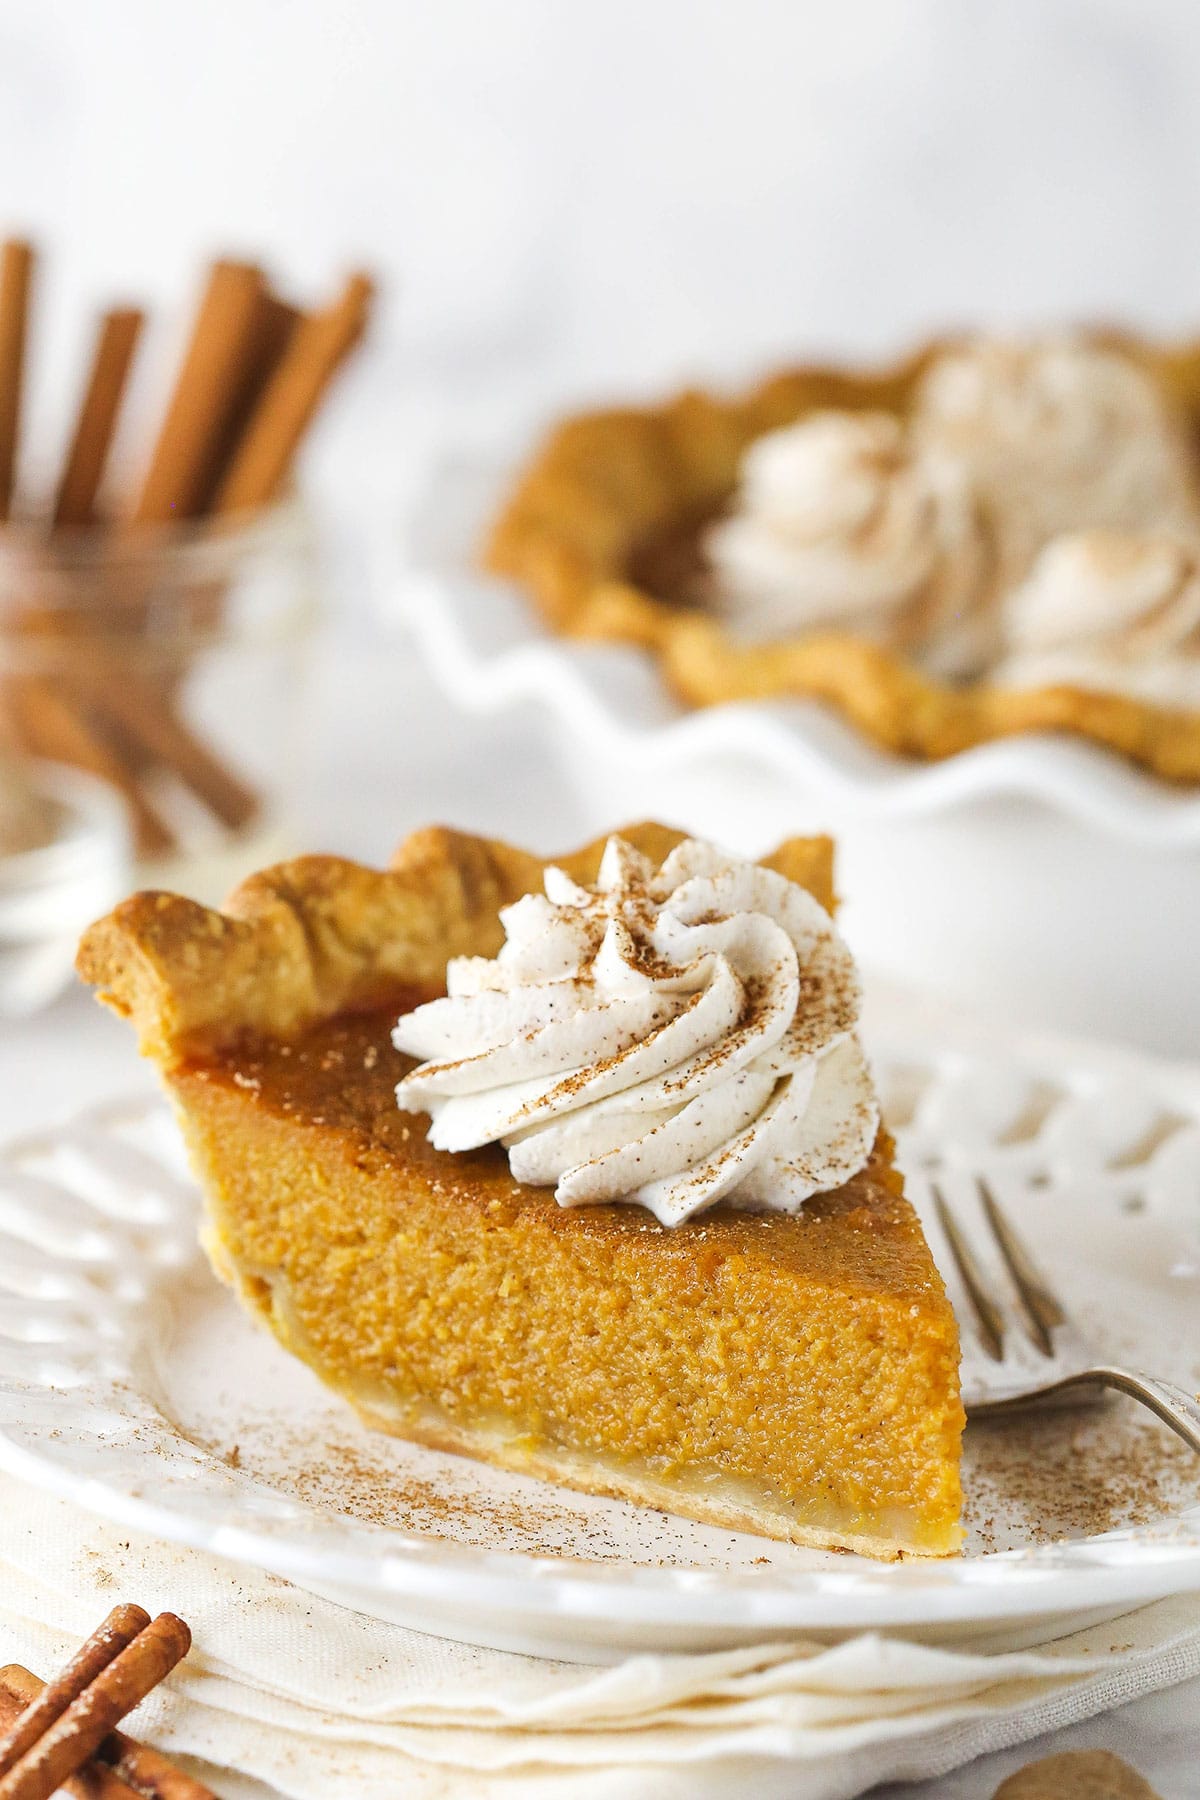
64 859
168 663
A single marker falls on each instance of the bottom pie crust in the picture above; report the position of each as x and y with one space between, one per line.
710 1498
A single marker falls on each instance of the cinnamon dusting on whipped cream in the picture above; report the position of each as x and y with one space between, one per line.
1109 612
842 522
1056 435
671 1037
915 531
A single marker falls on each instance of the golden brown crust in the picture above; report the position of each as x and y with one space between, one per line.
597 1474
604 480
320 935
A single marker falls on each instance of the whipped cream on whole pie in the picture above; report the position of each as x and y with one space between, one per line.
1055 435
1111 612
839 522
670 1037
913 532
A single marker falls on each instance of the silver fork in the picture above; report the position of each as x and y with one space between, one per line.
1032 1354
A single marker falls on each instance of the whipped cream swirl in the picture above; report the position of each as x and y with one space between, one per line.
672 1038
1110 612
840 522
1056 435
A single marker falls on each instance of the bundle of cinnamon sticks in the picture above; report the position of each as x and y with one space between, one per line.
84 675
61 1733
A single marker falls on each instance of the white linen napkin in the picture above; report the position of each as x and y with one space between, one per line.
314 1701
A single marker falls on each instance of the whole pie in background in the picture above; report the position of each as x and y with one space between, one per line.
994 537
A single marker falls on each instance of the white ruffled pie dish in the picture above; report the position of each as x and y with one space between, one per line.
1039 875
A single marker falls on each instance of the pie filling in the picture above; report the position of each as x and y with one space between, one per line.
792 1375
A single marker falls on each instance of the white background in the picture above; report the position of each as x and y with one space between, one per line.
567 201
573 199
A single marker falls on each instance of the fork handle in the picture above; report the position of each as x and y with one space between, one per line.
1173 1405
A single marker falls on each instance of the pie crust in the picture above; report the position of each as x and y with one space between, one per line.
606 483
794 1377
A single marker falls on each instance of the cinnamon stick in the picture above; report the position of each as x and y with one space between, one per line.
50 720
252 375
78 1732
96 1780
183 465
275 325
277 322
95 710
121 1766
96 1652
83 471
319 345
240 333
152 1775
147 719
16 279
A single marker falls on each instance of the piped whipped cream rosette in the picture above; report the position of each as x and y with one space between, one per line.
1056 435
670 1037
841 523
913 531
1109 612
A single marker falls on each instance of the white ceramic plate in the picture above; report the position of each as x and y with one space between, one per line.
131 1384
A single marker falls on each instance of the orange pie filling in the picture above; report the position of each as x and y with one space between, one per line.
792 1376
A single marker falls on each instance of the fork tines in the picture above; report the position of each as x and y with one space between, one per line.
1043 1311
